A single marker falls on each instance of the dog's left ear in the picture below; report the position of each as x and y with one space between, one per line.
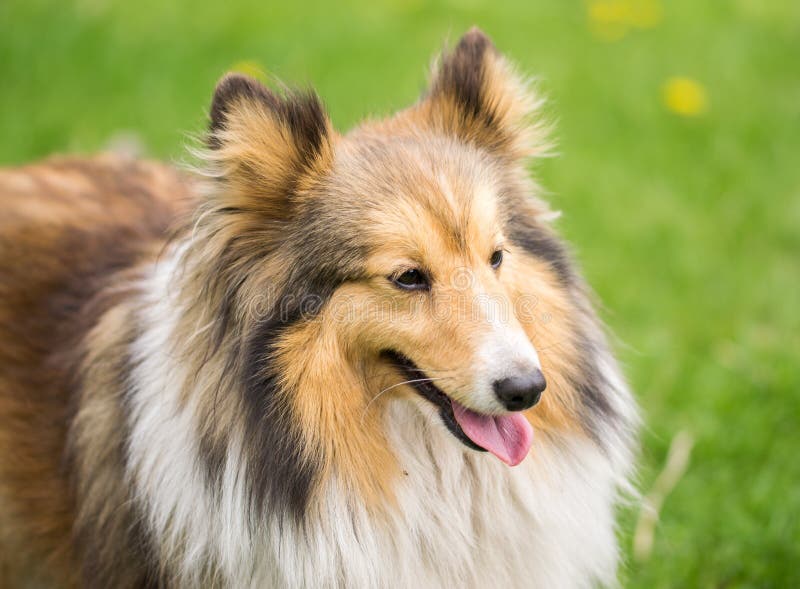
476 95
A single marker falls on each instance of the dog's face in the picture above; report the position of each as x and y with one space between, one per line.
436 298
415 238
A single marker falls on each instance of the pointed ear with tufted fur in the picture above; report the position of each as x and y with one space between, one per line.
265 146
475 94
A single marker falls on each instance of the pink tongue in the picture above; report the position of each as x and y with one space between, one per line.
508 437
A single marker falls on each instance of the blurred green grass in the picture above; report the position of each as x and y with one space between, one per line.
687 227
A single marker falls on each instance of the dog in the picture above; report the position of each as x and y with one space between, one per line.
316 360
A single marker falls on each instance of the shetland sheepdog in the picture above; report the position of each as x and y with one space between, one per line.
317 360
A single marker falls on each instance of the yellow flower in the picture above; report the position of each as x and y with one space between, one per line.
685 96
607 19
611 20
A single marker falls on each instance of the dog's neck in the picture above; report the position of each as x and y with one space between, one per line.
435 498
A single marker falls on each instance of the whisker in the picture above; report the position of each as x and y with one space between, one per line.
439 373
371 401
432 371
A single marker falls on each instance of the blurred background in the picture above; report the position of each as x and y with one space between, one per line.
678 127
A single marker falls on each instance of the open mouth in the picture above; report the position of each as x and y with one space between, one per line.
507 436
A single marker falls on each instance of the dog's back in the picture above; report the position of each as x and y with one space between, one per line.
67 225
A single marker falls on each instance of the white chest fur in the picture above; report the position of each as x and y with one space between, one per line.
464 520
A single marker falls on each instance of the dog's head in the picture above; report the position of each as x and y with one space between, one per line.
408 258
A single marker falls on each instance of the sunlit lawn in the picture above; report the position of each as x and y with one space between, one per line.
679 141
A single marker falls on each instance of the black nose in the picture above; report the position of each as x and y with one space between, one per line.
520 392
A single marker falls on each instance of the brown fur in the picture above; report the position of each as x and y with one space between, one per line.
284 308
68 226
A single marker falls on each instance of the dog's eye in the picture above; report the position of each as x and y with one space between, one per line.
496 259
411 280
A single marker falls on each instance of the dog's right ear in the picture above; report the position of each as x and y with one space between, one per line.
265 146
